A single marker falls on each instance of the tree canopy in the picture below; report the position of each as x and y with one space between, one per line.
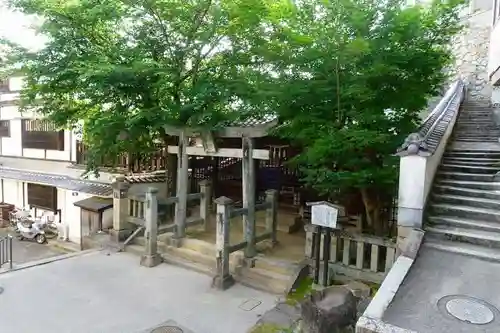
347 78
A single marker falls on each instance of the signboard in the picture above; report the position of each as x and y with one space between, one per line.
324 215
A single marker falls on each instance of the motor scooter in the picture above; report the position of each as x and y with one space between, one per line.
30 230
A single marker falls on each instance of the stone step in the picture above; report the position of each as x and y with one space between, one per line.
463 223
477 237
471 154
470 250
264 280
478 213
468 192
464 176
490 170
474 162
466 200
283 267
470 139
479 185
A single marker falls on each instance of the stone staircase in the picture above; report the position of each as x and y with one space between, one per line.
463 215
266 274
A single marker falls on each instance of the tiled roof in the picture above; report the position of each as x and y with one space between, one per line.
254 121
65 182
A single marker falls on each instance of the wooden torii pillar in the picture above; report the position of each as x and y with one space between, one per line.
208 148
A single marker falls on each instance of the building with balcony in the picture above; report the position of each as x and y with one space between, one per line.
41 167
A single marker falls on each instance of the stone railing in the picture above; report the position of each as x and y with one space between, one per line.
130 211
137 209
225 212
357 256
421 155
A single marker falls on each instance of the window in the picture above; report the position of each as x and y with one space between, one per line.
4 128
41 134
42 196
4 85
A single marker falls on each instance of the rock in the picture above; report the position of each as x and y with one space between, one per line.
331 310
358 289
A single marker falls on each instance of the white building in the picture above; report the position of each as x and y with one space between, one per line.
494 52
39 169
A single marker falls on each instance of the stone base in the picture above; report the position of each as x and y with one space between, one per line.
223 283
151 260
175 242
119 235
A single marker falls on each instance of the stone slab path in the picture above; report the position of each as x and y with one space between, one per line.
442 282
96 293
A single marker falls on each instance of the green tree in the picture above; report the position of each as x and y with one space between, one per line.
127 68
354 75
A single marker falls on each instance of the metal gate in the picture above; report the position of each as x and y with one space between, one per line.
6 251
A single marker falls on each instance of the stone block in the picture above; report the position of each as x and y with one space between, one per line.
151 260
331 310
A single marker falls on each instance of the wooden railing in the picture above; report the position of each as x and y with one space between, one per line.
154 161
358 256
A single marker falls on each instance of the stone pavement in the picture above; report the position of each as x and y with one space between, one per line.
100 293
25 251
443 282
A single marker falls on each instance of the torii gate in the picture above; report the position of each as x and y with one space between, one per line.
247 131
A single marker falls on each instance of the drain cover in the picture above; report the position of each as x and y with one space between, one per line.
468 309
167 329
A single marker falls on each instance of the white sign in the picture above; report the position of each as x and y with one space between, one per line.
324 215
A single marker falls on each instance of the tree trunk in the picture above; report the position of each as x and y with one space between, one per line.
372 205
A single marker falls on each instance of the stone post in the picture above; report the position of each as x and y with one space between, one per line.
151 257
121 228
248 175
272 214
182 187
223 279
414 185
206 199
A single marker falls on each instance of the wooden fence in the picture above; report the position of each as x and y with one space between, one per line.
154 161
357 256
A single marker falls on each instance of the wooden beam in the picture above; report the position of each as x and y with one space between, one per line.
258 154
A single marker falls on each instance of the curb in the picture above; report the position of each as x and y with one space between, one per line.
371 320
47 261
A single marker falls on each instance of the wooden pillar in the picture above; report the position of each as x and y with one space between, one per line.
151 257
248 178
182 187
205 201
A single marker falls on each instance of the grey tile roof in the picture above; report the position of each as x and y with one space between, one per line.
253 121
65 182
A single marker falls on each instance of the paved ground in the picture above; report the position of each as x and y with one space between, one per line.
437 274
96 293
25 251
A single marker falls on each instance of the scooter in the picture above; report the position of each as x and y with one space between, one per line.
30 230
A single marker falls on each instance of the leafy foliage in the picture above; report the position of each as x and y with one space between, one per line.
126 68
347 77
355 75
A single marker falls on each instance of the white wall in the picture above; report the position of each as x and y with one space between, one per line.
12 146
494 54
